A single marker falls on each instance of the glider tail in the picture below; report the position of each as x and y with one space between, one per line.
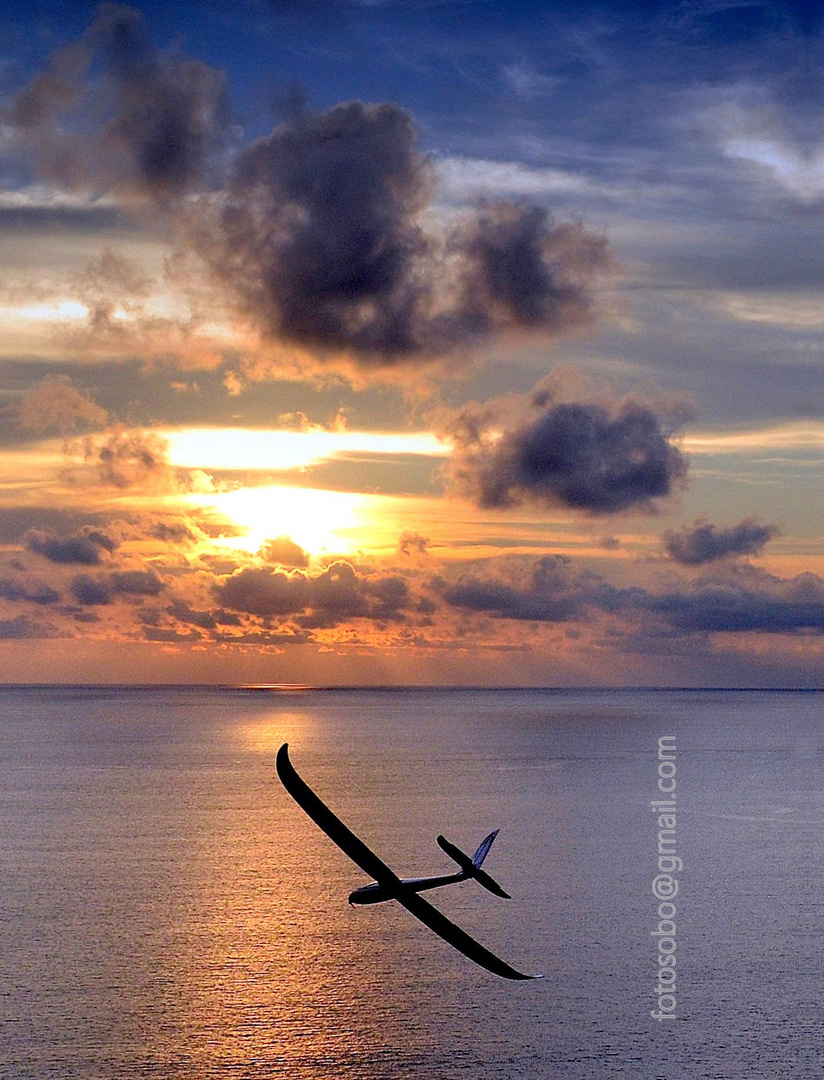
472 867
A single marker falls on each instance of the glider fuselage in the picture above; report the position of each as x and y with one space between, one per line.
378 894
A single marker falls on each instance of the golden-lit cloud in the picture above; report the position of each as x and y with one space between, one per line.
791 437
249 449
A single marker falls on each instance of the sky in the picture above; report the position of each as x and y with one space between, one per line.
447 342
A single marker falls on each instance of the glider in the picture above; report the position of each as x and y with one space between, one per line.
388 886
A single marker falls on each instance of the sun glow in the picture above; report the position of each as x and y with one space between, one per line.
247 449
321 522
55 312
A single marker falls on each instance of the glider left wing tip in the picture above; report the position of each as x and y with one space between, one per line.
282 759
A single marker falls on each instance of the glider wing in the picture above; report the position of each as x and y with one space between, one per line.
369 862
332 825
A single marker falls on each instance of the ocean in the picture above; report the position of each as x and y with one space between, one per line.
169 912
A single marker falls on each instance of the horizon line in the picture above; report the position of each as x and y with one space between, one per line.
292 688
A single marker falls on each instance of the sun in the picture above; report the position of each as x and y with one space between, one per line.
321 522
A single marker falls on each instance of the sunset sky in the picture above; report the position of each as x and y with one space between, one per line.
412 341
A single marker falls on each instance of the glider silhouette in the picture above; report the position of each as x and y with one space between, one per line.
388 886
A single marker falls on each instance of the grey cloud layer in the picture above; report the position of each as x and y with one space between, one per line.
552 591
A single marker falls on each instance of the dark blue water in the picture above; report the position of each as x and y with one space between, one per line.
168 912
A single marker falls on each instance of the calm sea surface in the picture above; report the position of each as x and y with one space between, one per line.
168 912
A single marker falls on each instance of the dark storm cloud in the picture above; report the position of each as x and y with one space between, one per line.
163 117
319 236
705 543
584 455
337 594
83 548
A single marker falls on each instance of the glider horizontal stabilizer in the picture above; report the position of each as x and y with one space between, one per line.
369 862
472 868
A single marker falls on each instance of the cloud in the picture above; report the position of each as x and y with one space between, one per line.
174 532
705 543
36 592
136 582
588 455
54 404
128 457
150 125
284 552
551 590
550 593
335 595
84 547
465 178
16 521
767 605
318 232
522 271
528 83
206 620
413 545
89 590
22 628
324 234
320 237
